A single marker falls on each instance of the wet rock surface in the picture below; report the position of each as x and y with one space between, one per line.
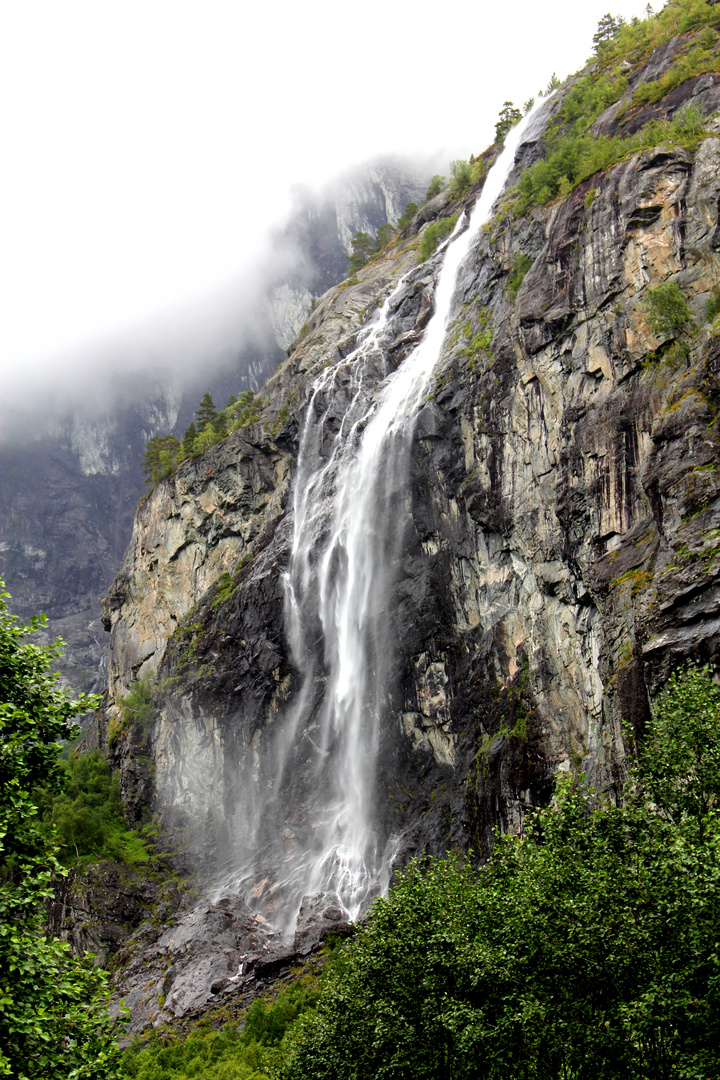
561 556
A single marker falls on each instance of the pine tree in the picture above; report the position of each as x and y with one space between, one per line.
508 117
206 411
362 250
189 439
606 31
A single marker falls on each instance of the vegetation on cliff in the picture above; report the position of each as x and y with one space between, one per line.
585 947
53 1022
164 453
574 151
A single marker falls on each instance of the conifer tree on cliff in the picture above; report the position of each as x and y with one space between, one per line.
206 411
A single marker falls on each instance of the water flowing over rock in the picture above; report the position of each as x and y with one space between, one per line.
473 531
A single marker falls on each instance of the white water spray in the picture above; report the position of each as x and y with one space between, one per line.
351 506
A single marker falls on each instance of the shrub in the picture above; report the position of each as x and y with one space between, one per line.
520 265
87 816
435 233
712 306
461 172
587 947
435 186
668 311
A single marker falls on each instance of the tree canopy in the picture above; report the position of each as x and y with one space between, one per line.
53 1021
586 947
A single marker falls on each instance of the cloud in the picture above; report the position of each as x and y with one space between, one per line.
150 150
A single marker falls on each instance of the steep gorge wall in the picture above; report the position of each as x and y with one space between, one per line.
562 548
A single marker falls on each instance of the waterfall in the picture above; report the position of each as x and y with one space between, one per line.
351 505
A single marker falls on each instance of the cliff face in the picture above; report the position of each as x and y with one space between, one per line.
560 542
68 493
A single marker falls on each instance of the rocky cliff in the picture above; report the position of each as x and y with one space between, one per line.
559 550
69 486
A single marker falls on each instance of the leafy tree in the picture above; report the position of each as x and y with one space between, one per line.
554 84
53 1021
669 312
527 106
362 251
206 411
461 172
508 117
586 947
435 186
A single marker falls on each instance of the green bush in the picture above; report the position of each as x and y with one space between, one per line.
462 177
435 186
231 1054
586 947
712 306
435 233
87 817
668 312
520 265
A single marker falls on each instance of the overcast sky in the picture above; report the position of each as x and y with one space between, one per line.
149 145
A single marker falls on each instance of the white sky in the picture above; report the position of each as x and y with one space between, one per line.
148 145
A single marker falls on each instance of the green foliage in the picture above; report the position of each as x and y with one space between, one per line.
407 215
53 1021
520 265
188 443
436 185
164 453
138 705
669 313
160 458
586 947
608 28
572 159
383 237
507 119
362 251
435 233
573 152
462 177
230 1054
712 306
87 817
479 337
206 411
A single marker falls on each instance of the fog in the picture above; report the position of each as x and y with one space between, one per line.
151 151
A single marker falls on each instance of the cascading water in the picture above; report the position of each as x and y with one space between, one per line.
351 502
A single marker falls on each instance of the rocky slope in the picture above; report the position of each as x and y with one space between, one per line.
561 551
69 491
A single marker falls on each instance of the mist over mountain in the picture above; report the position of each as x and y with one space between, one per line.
73 432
